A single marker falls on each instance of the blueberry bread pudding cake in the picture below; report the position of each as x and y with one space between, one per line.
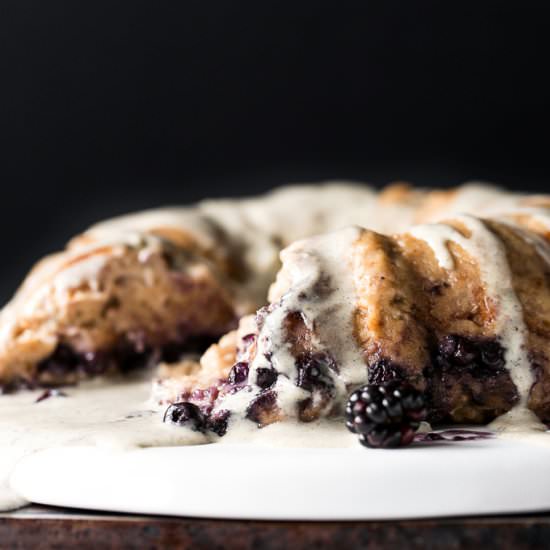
385 309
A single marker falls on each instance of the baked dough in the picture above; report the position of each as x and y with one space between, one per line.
146 287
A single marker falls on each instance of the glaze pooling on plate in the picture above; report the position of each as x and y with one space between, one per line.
108 413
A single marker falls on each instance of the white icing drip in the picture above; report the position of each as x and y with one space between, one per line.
189 219
326 260
258 227
487 201
322 290
79 273
489 253
437 236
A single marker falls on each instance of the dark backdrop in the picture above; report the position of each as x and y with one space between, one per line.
112 106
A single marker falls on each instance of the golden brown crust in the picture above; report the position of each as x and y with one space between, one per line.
387 312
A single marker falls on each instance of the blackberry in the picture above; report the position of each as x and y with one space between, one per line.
266 377
384 370
481 357
62 361
314 374
185 413
238 373
263 410
244 344
309 375
313 371
385 415
217 423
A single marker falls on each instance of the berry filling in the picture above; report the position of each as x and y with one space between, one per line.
263 410
218 422
66 366
191 416
314 375
266 377
468 381
313 371
384 371
186 414
238 374
479 357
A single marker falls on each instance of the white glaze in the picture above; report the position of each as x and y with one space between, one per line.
258 227
80 273
319 261
107 412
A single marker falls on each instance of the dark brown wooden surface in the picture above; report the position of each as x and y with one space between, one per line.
44 527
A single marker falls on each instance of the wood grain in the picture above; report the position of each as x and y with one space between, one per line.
48 528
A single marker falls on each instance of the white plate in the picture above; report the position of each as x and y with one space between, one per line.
246 482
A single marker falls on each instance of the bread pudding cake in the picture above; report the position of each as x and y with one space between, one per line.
385 309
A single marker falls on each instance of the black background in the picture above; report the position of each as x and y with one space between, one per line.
107 107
